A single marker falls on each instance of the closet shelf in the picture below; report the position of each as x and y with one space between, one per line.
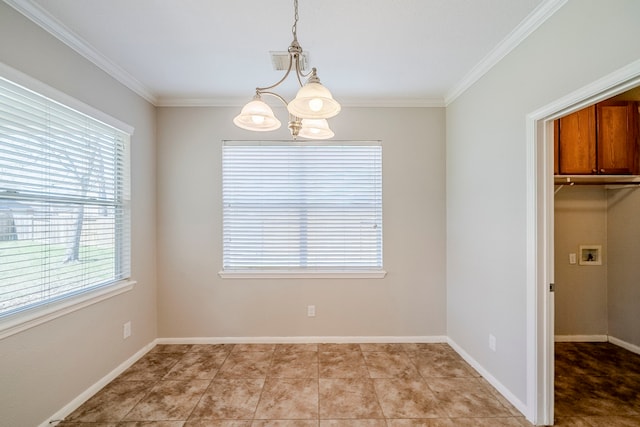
596 179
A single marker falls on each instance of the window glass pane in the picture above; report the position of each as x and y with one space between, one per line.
64 209
294 206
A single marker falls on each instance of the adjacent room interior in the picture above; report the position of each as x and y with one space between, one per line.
595 201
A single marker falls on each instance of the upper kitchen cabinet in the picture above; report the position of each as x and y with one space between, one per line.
601 139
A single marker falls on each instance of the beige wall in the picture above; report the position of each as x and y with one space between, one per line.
486 175
581 290
46 367
624 269
195 302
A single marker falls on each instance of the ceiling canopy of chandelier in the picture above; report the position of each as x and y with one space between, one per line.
308 111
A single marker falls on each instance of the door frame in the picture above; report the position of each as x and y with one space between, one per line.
540 241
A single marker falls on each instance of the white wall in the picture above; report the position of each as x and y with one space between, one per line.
486 174
44 368
195 302
624 269
581 290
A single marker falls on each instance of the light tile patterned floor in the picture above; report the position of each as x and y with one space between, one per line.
319 385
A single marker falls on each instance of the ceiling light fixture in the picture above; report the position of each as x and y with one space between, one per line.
308 111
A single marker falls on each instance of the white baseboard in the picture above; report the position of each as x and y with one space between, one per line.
517 403
303 340
581 338
88 393
627 346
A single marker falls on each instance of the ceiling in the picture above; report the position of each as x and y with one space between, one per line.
367 52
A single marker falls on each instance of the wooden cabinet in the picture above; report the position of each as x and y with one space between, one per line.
600 139
617 137
576 141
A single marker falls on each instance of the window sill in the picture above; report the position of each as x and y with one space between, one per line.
19 322
289 274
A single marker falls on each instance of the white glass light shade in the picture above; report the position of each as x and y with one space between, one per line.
314 101
256 115
315 129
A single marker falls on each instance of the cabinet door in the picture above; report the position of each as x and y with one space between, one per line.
577 143
617 138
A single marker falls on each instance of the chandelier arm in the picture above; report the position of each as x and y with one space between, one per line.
262 89
275 95
299 73
293 119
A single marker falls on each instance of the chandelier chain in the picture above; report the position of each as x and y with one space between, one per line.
294 28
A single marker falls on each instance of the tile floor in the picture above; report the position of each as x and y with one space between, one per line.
596 385
319 385
359 385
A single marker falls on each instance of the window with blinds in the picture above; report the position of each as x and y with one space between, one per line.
310 206
64 201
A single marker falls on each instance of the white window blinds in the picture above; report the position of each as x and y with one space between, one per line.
302 206
64 201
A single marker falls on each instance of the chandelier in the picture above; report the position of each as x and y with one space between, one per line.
308 111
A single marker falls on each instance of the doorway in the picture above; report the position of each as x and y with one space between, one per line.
540 234
595 275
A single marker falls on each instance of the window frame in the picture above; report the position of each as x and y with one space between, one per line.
305 273
18 321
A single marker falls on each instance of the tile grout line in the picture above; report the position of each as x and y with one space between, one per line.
264 385
210 383
318 373
148 392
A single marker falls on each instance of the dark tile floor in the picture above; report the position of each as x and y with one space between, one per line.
319 385
596 385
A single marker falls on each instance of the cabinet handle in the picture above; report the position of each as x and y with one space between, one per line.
602 170
594 170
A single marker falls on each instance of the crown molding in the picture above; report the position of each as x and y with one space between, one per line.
536 18
392 102
46 21
43 19
345 102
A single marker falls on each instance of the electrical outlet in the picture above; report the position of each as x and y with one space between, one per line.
311 311
126 330
492 342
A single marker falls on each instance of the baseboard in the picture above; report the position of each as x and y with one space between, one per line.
517 403
627 346
581 338
88 393
304 340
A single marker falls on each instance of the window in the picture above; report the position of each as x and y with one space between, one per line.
64 202
302 207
